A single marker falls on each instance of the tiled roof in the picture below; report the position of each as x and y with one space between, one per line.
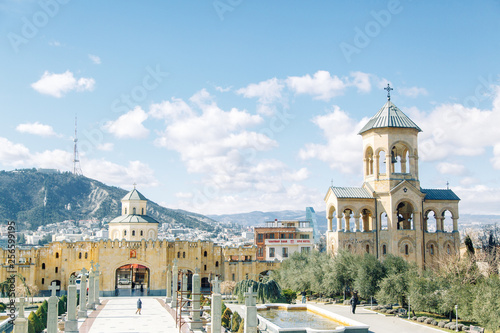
134 195
389 116
436 194
134 219
351 192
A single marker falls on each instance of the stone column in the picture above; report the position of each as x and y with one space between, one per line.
175 282
21 323
184 284
52 309
356 223
90 303
377 169
71 323
388 164
195 301
347 224
97 274
339 223
330 226
250 312
455 224
216 312
83 295
439 224
169 284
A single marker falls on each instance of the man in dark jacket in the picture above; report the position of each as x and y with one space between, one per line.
139 306
354 302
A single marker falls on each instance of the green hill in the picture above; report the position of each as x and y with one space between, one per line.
33 198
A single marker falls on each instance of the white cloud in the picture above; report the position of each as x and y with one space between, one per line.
59 84
456 130
221 89
108 146
267 92
17 155
95 59
321 85
361 81
36 128
13 154
175 109
447 168
129 125
412 91
496 156
54 43
342 150
120 175
478 198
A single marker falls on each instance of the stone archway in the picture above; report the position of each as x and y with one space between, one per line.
132 280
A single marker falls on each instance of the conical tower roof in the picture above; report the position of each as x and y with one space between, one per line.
134 195
389 116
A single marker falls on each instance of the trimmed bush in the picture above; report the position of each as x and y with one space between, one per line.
442 323
428 321
235 322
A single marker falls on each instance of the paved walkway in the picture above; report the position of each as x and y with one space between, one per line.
118 316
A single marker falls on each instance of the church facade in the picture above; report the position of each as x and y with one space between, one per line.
390 213
133 258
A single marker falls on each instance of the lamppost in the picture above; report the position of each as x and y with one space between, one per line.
456 315
408 307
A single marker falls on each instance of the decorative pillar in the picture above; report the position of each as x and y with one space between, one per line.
367 166
21 323
455 224
377 168
216 312
90 303
71 323
97 301
339 223
347 224
52 309
169 284
250 312
195 301
388 164
439 224
425 226
330 222
175 282
356 222
83 295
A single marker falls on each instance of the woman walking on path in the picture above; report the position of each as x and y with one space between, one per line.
139 306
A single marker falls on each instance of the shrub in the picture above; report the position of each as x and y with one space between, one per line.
242 326
289 295
35 322
235 322
226 317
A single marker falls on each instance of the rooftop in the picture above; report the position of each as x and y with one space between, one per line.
389 116
133 219
351 192
134 195
439 194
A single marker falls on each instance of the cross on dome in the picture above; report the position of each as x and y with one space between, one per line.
388 88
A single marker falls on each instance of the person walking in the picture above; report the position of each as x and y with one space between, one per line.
354 302
303 293
139 306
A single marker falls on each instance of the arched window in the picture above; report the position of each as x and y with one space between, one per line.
43 281
142 211
57 255
184 254
382 163
43 265
205 267
142 233
57 269
80 255
216 264
383 221
349 247
133 211
86 255
432 249
178 253
125 211
384 249
133 232
205 253
367 248
124 232
448 249
407 250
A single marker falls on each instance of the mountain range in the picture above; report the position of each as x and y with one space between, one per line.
34 197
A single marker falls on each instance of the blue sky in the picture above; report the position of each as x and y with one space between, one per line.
235 105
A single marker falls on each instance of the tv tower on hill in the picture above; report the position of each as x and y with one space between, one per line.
77 170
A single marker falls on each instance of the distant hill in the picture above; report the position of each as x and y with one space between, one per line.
257 218
33 198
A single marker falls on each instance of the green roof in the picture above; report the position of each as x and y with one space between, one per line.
133 219
351 192
134 195
438 194
389 116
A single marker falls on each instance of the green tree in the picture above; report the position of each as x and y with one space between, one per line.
35 322
269 291
235 322
486 305
242 326
425 293
226 318
370 272
469 245
395 286
345 268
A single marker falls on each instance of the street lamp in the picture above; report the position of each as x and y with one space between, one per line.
456 315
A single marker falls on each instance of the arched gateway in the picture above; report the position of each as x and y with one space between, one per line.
132 280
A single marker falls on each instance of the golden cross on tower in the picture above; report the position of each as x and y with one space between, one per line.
388 88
